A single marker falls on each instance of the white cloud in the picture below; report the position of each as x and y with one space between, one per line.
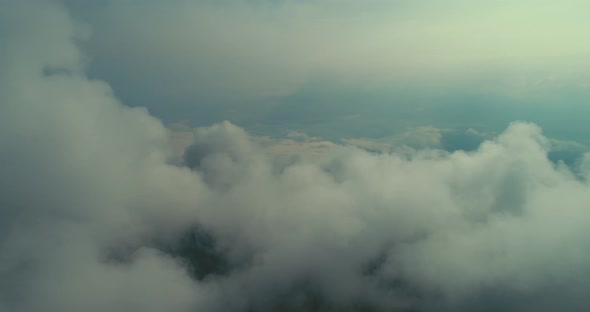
90 201
80 172
462 225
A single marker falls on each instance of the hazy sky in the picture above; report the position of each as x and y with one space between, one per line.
375 63
253 156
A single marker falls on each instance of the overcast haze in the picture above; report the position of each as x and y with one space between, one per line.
294 155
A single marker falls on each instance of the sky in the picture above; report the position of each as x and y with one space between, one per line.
282 155
347 69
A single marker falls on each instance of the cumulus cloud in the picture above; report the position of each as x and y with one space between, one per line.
499 227
80 172
98 216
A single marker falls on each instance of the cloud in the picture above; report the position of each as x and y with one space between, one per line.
421 137
98 215
80 172
458 230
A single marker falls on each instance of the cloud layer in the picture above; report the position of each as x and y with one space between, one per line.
98 216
